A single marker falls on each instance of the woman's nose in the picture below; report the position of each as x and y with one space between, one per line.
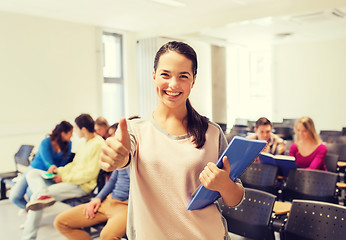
173 82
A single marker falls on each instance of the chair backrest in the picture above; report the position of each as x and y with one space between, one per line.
70 157
315 220
22 157
251 218
260 176
288 144
285 133
102 179
337 148
311 185
341 139
251 126
223 126
239 130
331 161
289 122
330 136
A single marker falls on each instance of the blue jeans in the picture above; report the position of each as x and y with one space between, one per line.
39 186
19 190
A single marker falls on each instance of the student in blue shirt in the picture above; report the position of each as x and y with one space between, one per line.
110 206
53 150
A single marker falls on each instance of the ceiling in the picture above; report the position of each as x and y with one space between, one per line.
220 21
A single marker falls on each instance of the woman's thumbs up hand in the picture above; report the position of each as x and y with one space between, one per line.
115 153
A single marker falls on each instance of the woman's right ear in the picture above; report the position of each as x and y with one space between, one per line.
154 75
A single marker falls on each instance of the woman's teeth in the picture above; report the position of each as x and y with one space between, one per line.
173 93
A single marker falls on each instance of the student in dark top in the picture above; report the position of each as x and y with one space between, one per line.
112 129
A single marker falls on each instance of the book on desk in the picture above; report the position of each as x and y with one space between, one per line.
240 153
285 163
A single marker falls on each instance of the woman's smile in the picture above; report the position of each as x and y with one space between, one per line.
172 93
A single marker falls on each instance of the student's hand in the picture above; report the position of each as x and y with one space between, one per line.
57 178
214 178
115 153
52 169
265 148
91 208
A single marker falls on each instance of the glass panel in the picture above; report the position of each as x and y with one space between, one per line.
112 56
113 106
249 83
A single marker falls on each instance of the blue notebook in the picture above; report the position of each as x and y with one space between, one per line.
284 163
240 153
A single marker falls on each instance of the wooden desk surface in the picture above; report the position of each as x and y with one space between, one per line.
282 207
341 185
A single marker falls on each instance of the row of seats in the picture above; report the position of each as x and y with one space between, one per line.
312 193
332 136
300 183
255 218
284 129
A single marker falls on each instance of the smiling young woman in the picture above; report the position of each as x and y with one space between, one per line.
170 155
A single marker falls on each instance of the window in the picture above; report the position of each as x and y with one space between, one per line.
113 86
249 83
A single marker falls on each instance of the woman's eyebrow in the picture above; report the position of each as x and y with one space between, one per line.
167 71
185 73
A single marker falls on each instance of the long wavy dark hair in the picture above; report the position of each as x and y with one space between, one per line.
197 125
65 127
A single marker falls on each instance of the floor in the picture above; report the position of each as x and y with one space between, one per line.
11 219
10 222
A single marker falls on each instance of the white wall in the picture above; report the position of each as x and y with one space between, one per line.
310 79
50 71
130 74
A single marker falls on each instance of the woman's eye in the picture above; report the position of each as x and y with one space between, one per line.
164 74
184 76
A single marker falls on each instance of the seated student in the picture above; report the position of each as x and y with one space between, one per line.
263 131
53 150
109 205
101 127
73 180
112 129
308 148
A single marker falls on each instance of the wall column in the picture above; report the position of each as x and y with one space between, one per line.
218 66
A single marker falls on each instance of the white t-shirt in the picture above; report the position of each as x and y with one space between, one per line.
164 173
